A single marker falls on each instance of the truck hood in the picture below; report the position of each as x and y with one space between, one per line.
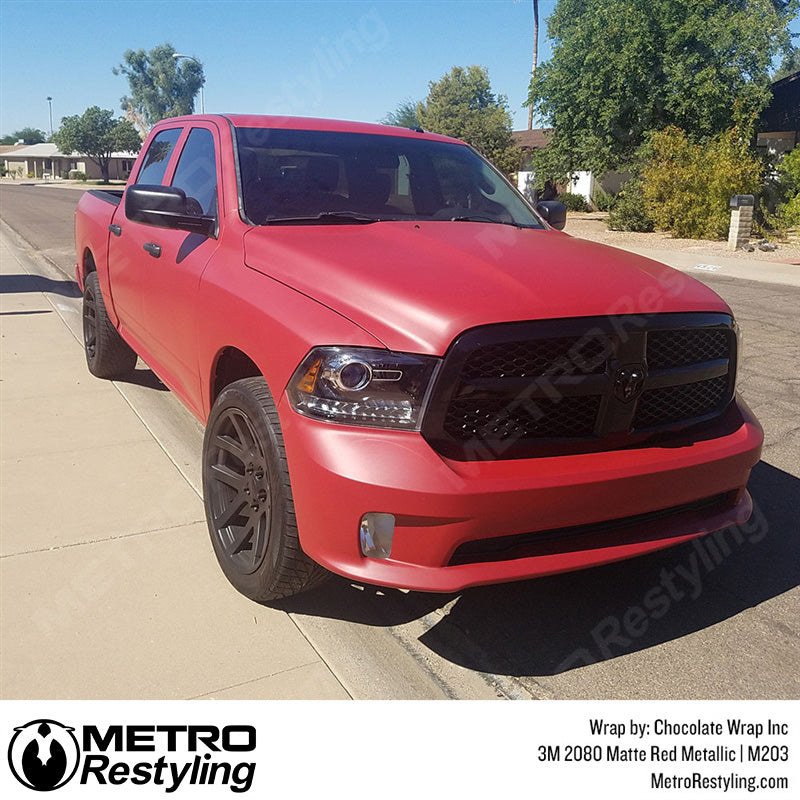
416 285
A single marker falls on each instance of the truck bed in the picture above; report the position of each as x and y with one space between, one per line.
113 196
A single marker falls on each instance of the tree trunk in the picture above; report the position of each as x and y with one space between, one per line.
104 164
535 55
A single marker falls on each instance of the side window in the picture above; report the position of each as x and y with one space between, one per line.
196 173
157 157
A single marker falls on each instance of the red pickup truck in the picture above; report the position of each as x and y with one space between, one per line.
408 375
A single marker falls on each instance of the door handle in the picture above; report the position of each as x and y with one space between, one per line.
116 229
153 249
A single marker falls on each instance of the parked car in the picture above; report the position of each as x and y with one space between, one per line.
408 375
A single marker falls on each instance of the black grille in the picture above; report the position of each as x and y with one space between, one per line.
669 349
533 358
519 390
677 403
503 420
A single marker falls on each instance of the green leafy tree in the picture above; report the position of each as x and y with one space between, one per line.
462 104
26 135
788 212
161 85
404 116
789 65
623 68
97 134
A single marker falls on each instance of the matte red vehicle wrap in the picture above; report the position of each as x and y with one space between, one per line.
417 285
338 474
274 293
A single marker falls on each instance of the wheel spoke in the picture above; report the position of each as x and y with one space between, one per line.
231 511
228 476
229 445
244 541
242 431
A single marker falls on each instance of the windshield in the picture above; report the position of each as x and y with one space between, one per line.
319 177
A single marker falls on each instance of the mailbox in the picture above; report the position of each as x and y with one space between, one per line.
739 200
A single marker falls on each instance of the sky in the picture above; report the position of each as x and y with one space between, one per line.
349 60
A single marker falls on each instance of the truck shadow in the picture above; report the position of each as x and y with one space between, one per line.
143 376
555 624
22 283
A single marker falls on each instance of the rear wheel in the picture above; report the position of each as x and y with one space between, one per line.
248 496
108 355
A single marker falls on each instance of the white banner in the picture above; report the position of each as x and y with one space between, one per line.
298 749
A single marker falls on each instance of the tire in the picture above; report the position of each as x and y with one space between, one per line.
108 355
248 496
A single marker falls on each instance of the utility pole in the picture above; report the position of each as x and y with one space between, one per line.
535 55
50 103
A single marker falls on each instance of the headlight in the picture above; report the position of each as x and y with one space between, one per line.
363 386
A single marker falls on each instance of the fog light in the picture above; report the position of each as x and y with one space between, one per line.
375 534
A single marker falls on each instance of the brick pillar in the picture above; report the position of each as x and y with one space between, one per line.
741 220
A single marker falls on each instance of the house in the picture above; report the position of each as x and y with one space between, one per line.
529 141
582 183
779 123
45 161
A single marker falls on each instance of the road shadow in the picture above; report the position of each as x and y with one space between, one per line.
22 283
551 625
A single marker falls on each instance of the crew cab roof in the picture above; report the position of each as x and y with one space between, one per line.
312 124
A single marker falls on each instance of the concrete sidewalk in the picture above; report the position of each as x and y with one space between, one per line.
110 588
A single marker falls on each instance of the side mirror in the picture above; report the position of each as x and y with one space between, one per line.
166 207
553 212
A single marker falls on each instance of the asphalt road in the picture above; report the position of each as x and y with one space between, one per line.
728 621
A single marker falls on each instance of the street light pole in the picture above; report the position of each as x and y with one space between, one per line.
50 103
176 56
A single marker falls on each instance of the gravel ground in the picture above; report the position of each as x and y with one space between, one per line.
593 226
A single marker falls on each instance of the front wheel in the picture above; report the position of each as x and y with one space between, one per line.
248 496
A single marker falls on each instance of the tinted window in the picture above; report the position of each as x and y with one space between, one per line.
293 174
197 171
157 158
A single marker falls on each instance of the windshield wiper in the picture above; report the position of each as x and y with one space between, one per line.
327 216
492 220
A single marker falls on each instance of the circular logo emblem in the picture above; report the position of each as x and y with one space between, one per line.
43 754
629 382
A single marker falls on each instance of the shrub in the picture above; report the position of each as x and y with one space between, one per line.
630 212
77 175
573 202
787 214
602 200
687 187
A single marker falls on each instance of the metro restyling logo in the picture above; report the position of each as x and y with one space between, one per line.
44 755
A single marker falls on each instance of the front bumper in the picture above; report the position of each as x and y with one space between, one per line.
339 473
